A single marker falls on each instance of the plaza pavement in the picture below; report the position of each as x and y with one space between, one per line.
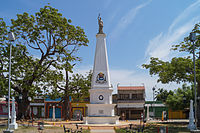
102 131
94 128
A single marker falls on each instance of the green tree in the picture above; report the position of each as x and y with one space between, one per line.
179 69
180 99
53 41
161 94
3 44
78 85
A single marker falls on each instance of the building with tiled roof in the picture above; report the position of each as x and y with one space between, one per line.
130 102
130 88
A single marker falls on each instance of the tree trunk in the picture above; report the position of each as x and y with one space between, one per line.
23 107
67 110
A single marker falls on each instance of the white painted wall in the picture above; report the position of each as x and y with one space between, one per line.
95 93
95 110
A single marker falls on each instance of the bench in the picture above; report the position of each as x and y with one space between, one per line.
68 130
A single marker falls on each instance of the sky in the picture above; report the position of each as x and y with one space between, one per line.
135 31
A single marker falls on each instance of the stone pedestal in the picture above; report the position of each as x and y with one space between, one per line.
191 124
101 120
13 124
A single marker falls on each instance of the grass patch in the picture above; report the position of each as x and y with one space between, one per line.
172 128
3 128
153 128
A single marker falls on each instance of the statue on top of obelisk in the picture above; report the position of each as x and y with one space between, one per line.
100 22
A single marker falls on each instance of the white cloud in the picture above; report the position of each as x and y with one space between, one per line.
126 20
160 45
189 10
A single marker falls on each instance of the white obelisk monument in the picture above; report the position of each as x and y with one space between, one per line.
101 109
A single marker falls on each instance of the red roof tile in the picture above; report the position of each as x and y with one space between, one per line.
130 88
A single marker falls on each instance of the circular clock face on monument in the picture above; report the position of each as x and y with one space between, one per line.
101 97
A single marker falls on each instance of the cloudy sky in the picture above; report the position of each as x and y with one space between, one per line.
136 30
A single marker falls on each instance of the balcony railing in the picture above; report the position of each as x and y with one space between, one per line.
130 101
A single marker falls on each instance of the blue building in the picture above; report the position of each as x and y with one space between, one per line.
49 103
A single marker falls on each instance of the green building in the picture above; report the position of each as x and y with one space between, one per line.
156 108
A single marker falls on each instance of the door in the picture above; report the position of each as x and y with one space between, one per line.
57 112
39 112
50 112
77 114
127 114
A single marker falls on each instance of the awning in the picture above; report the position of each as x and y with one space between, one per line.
130 105
36 104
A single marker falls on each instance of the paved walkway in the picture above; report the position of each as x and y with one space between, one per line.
102 131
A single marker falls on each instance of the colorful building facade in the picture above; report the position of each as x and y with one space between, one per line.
179 114
37 108
156 109
130 102
59 108
4 108
79 110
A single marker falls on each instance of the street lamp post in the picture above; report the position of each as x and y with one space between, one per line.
153 92
11 38
153 101
192 38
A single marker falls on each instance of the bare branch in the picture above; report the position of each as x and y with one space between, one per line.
46 68
32 46
1 62
43 43
39 47
60 87
74 49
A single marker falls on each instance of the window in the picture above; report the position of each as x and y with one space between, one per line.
124 96
136 111
140 96
134 96
137 96
5 109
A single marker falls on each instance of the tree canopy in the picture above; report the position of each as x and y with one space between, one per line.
181 97
46 44
161 94
178 69
80 85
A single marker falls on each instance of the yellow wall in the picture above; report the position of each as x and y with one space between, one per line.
177 114
80 106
